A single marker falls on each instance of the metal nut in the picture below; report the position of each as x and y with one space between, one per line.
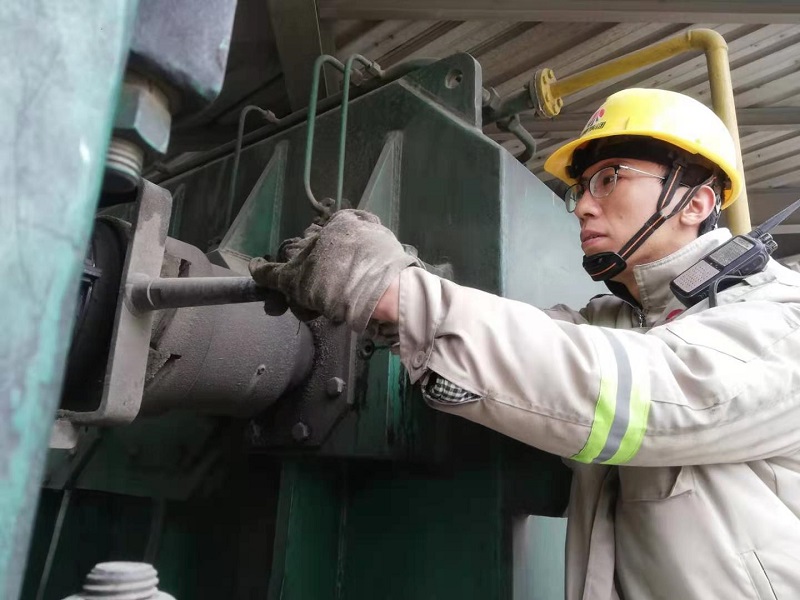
300 432
143 115
334 386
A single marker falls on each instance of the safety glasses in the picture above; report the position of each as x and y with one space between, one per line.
600 185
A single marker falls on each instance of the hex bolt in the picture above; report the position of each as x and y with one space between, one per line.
141 125
300 432
334 387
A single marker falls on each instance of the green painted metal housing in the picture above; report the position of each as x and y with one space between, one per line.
395 500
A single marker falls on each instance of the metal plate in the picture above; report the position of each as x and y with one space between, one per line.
306 416
130 341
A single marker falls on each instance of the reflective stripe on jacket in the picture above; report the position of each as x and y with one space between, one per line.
684 434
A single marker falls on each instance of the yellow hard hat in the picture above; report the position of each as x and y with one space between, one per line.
662 115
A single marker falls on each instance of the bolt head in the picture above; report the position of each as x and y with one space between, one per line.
334 386
300 432
143 117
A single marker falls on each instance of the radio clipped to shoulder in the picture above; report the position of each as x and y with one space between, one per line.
723 267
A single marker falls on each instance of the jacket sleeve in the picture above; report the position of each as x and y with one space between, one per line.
719 386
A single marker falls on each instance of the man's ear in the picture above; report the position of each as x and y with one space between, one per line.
700 206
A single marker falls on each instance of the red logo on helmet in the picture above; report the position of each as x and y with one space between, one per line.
595 122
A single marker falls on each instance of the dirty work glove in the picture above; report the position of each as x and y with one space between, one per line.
340 269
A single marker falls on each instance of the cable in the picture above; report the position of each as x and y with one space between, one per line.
712 295
54 539
268 116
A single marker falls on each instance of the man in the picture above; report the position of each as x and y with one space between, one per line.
682 425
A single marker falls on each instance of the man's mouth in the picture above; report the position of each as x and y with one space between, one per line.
588 236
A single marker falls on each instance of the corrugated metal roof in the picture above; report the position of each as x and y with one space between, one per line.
763 57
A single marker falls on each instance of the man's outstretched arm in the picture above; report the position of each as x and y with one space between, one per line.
708 388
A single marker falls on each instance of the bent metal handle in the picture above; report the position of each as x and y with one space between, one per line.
347 69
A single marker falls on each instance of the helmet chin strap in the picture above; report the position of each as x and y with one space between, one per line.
606 265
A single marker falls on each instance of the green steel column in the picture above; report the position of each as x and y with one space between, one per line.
61 65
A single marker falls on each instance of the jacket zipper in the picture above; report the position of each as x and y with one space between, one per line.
638 313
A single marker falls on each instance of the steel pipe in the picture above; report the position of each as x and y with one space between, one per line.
398 71
514 126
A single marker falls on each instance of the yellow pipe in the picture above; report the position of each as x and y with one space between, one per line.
719 76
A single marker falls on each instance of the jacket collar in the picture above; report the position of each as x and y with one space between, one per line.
654 278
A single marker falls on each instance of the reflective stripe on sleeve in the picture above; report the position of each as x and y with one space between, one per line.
623 403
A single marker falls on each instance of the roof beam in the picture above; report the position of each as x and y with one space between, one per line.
786 230
300 39
677 11
774 200
765 202
756 119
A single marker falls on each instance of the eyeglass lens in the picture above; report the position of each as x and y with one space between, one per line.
601 184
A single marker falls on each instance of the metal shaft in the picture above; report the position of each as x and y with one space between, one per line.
178 292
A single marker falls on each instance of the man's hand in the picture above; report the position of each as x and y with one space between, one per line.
341 269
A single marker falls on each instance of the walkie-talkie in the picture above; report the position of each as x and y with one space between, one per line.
723 267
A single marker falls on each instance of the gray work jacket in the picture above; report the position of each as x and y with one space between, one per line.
682 426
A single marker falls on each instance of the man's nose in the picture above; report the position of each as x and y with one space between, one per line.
587 205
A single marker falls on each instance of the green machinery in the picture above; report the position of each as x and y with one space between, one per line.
244 454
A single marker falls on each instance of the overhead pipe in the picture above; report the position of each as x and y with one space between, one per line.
514 126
